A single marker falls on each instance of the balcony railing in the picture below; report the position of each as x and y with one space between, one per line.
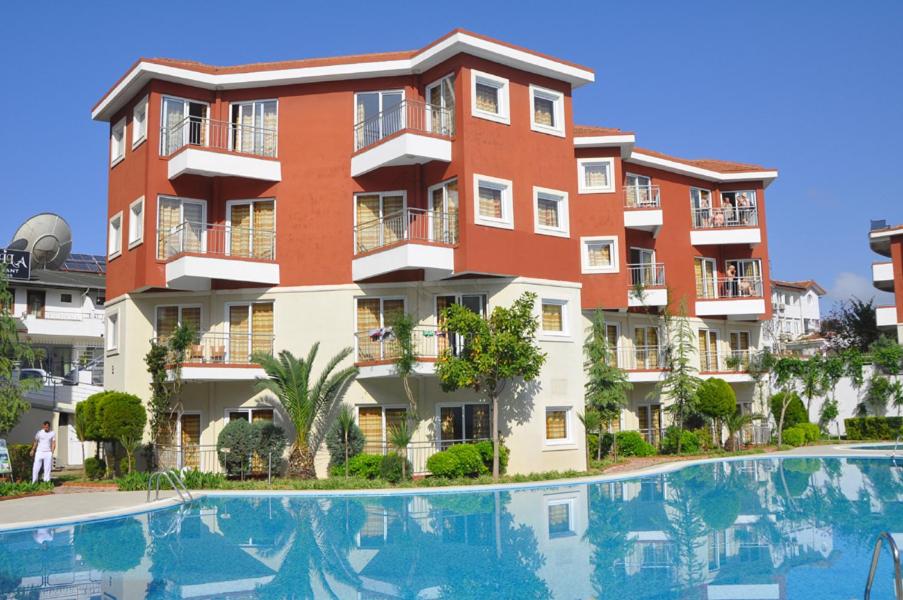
725 216
219 135
642 358
412 225
216 348
381 345
216 239
647 275
642 196
730 287
411 115
62 315
736 361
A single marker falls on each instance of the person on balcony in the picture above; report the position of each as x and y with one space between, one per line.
42 449
744 208
718 218
730 282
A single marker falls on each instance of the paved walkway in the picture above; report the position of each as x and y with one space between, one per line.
59 508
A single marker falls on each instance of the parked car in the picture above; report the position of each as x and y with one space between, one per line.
24 374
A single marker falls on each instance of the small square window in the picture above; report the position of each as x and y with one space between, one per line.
493 202
139 122
599 254
550 208
595 175
117 142
554 317
489 97
66 298
136 222
558 427
114 237
547 111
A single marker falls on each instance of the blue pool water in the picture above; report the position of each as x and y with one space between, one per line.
767 528
877 447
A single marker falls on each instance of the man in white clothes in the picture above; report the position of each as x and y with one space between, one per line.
42 448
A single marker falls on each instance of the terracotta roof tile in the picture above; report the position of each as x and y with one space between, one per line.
800 285
591 130
720 166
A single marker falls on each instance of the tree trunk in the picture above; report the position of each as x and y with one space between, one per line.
495 437
614 443
301 462
784 406
405 382
346 454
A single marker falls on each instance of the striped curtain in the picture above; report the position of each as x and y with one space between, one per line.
367 225
598 254
169 212
167 321
394 418
487 98
239 329
556 425
543 112
240 230
595 175
547 212
552 318
370 420
262 327
191 439
490 202
393 219
264 227
368 346
477 418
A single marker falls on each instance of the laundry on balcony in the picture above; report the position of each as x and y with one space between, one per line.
381 333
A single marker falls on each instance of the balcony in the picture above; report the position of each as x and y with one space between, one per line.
200 146
647 282
725 225
733 367
409 239
738 298
197 253
886 317
642 208
216 356
64 323
643 364
376 351
408 133
883 276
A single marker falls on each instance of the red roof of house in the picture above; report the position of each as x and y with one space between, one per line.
800 285
711 164
592 131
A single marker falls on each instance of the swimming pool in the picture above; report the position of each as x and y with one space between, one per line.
884 447
763 528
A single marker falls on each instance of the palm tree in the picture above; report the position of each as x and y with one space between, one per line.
399 438
735 422
289 379
345 421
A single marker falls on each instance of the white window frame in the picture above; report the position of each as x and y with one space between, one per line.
564 221
227 325
186 111
180 307
254 104
565 321
382 413
250 202
139 123
182 201
449 226
111 332
507 189
429 90
570 502
136 225
582 188
502 86
736 333
382 213
568 424
557 99
114 246
584 254
117 148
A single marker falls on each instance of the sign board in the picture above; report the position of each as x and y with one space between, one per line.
6 467
17 263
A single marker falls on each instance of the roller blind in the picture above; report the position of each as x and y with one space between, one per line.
370 420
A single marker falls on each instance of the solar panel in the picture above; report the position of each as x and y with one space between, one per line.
85 263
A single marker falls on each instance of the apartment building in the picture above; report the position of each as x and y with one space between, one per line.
887 275
274 205
796 322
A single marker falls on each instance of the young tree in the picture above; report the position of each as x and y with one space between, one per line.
787 370
735 422
308 402
122 419
812 380
164 364
717 400
680 382
345 426
400 438
403 330
592 423
499 352
606 385
13 353
852 324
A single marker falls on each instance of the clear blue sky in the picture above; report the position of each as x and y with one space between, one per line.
812 88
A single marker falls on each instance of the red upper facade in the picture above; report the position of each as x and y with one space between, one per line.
458 159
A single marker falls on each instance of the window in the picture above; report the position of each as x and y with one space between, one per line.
117 142
444 212
560 513
254 127
650 422
440 102
647 348
181 226
639 192
251 229
114 236
550 211
373 319
489 97
168 318
139 122
463 423
599 254
184 122
249 330
558 426
701 207
493 202
379 220
595 175
705 277
708 350
554 317
739 208
101 299
739 341
35 301
742 279
136 222
612 334
112 331
474 302
65 298
377 115
547 111
376 423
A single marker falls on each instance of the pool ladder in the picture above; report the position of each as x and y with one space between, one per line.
895 553
175 482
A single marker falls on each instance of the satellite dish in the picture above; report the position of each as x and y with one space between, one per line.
49 239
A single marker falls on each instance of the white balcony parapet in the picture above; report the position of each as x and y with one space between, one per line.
408 239
642 208
886 316
216 356
408 133
201 146
740 298
883 276
197 253
647 282
64 323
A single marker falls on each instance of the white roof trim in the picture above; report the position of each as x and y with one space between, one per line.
890 232
623 141
676 167
454 44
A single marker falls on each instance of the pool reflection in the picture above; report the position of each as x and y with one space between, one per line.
797 528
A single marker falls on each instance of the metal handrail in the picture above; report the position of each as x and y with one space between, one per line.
413 115
221 135
217 239
642 196
175 482
876 554
719 217
749 286
647 274
411 225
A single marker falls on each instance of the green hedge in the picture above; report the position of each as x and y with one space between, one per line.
21 461
794 436
689 441
461 460
811 430
874 428
23 487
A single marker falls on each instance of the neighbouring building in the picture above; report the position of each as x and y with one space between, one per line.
274 205
887 275
796 318
61 316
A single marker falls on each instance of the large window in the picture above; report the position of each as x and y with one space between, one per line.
650 422
463 423
250 330
117 142
493 201
444 340
599 254
181 226
114 236
444 212
647 348
595 175
739 208
701 207
639 191
440 101
168 318
139 122
379 219
251 229
550 210
706 286
489 97
184 122
136 222
377 115
373 326
742 279
547 111
376 423
558 425
708 350
254 127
